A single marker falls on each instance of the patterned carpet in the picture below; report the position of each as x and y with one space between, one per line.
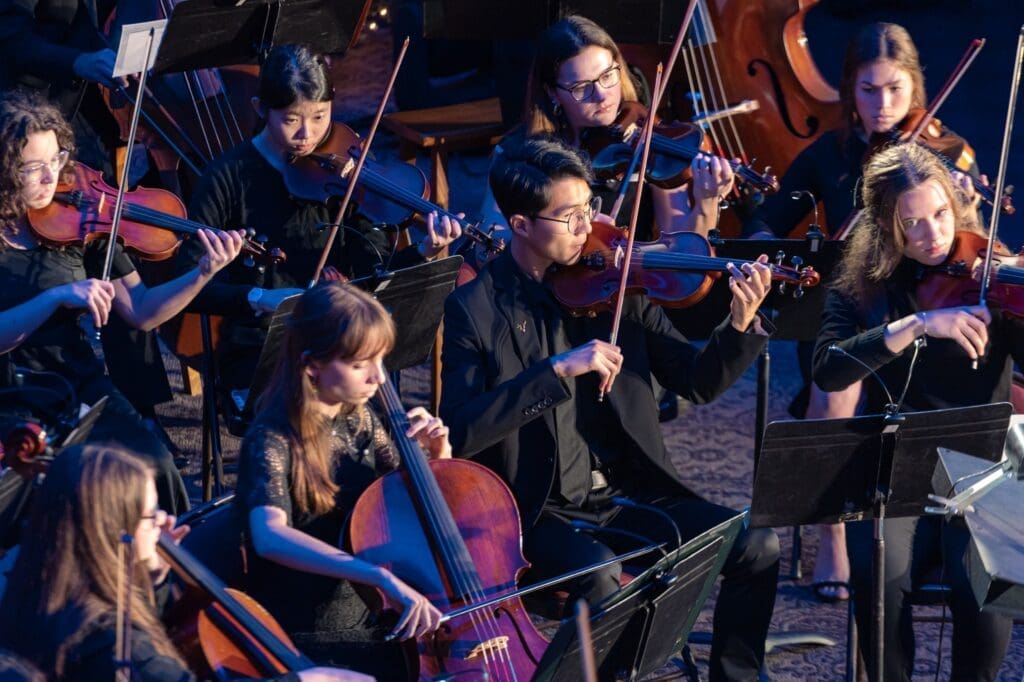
712 445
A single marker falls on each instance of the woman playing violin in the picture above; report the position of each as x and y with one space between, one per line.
246 188
913 211
314 446
579 80
37 147
62 615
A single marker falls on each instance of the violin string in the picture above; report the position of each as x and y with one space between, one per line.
462 577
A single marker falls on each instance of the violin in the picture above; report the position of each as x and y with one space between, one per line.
391 193
956 282
152 220
954 151
451 529
674 146
236 636
676 271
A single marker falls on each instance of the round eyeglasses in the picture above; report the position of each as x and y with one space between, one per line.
579 219
584 90
33 172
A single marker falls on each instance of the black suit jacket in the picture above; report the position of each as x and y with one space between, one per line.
499 406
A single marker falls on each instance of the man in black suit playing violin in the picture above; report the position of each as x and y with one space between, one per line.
520 386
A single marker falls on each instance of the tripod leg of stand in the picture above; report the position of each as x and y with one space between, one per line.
211 427
878 585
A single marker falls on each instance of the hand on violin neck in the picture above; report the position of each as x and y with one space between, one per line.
93 295
965 183
441 231
594 356
749 284
222 247
712 178
430 432
966 325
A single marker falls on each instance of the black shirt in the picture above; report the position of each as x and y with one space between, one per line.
942 376
59 344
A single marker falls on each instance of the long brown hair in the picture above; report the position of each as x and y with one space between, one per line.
330 321
877 42
559 43
23 114
65 577
875 248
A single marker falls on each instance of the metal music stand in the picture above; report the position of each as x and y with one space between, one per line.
995 561
870 469
640 627
203 34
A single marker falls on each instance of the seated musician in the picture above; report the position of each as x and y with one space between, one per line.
313 448
60 612
37 145
520 383
246 188
912 212
579 81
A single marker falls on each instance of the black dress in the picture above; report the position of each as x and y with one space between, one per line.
60 349
325 617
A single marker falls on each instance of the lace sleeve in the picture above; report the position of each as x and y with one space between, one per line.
264 469
385 456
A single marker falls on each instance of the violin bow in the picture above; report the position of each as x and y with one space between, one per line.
656 97
627 259
123 615
354 173
961 68
1004 155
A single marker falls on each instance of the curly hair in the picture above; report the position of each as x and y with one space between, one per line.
876 245
23 114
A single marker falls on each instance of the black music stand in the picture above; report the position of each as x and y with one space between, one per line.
640 627
833 470
995 561
203 34
415 298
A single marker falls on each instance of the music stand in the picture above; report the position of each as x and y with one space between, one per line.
203 34
995 559
870 469
415 298
637 629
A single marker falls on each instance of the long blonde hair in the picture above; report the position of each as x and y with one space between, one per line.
65 577
875 248
330 321
559 43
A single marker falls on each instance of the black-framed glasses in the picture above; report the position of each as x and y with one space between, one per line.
158 517
33 172
579 219
584 90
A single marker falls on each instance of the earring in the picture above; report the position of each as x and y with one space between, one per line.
556 108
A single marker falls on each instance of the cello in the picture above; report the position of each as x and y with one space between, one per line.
451 529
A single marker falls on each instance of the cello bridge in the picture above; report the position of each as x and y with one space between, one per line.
491 646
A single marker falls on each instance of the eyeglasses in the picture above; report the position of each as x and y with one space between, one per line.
33 172
579 219
158 517
584 90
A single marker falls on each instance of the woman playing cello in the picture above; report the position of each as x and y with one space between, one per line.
314 446
912 212
579 80
37 146
62 613
246 188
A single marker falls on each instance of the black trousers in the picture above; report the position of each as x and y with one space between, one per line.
747 597
913 547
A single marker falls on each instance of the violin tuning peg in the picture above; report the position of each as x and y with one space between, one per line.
779 257
248 261
799 291
250 232
1008 189
797 261
782 288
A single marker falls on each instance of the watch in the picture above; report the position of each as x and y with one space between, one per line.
255 294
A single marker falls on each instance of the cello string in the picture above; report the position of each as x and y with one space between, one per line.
467 583
729 124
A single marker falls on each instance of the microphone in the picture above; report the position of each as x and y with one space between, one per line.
891 407
814 234
651 509
580 525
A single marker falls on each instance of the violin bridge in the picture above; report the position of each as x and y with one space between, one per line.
492 646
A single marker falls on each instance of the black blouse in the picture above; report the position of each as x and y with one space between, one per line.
361 450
